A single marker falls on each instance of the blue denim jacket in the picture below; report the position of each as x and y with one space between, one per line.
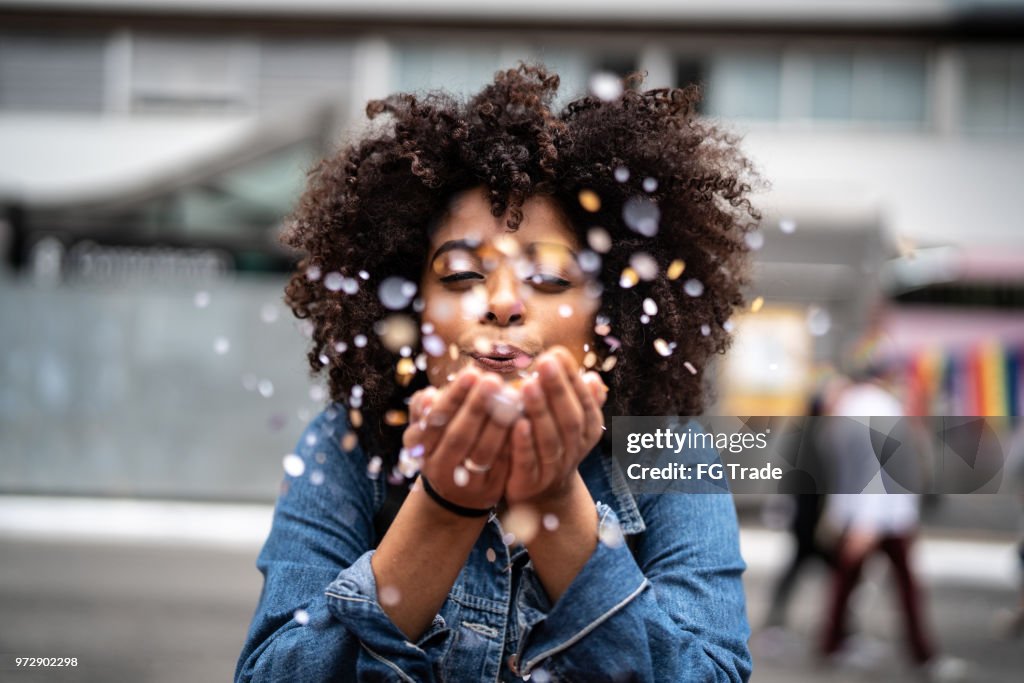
673 611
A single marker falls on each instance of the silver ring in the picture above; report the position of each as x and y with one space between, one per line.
475 467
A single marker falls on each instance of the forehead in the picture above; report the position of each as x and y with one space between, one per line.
469 217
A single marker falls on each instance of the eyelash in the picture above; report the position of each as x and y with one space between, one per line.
464 276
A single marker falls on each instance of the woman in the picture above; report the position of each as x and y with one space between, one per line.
485 282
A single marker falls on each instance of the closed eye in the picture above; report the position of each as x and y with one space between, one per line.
461 277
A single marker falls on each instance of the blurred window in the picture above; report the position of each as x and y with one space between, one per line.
859 86
462 69
869 87
193 74
744 86
51 73
242 203
297 72
993 100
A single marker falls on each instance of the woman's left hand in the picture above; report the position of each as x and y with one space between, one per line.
562 423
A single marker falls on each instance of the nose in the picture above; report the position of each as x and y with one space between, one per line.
505 304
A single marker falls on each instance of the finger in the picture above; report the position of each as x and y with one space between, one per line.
419 407
547 442
444 405
592 401
503 409
523 468
419 401
465 427
562 403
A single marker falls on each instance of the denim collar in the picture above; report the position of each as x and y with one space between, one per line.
607 484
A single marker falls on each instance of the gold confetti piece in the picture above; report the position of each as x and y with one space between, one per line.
662 347
453 351
590 201
629 278
756 305
396 418
602 329
349 442
609 363
676 268
590 360
355 416
404 371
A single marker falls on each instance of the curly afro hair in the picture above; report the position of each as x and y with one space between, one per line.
368 212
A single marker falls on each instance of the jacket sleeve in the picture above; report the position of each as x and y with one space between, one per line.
318 617
675 612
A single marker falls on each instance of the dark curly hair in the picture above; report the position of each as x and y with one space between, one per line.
368 212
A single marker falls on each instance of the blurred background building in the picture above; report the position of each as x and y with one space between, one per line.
150 150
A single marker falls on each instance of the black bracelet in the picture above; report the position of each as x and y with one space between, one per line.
448 505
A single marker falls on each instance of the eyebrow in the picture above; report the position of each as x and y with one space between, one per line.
470 245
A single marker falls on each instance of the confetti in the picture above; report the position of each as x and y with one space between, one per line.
491 555
396 418
301 617
644 265
819 321
396 331
521 521
590 201
609 363
599 240
606 86
705 329
268 313
349 442
333 281
396 293
565 310
628 279
461 476
642 215
316 477
550 522
356 418
689 366
266 388
754 240
389 596
693 287
294 466
201 299
313 273
662 347
621 174
359 340
650 307
644 319
787 225
590 360
650 184
374 466
221 345
756 304
675 269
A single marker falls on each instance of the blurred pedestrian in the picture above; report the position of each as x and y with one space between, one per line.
873 523
807 512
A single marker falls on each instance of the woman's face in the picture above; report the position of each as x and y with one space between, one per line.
497 298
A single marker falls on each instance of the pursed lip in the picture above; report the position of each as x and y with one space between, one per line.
503 358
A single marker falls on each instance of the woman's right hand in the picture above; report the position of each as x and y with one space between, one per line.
460 436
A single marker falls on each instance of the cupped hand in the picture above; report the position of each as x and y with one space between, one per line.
461 444
562 422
